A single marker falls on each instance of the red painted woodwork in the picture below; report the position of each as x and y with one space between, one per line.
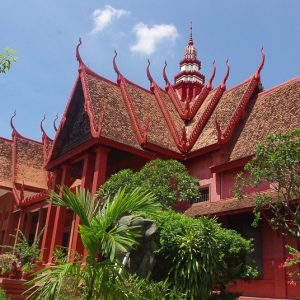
102 157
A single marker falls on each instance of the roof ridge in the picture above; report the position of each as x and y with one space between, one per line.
279 86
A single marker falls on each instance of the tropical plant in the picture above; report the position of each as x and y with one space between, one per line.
102 235
199 256
136 288
168 180
276 163
6 59
27 253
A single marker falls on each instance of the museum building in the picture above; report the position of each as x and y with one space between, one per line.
108 126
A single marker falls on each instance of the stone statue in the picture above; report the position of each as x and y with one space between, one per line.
140 260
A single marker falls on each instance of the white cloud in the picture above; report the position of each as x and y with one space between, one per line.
149 37
104 17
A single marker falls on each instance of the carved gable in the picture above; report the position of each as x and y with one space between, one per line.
76 129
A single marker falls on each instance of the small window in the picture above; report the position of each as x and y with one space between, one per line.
203 196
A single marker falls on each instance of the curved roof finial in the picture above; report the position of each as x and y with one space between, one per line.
41 126
165 75
78 57
12 122
191 34
54 123
115 66
149 74
223 84
262 62
209 85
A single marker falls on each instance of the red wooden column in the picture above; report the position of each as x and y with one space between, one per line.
19 226
49 222
9 226
39 224
99 175
60 214
100 168
86 182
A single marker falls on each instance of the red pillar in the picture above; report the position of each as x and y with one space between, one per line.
99 175
19 226
86 182
9 227
39 224
59 220
49 222
100 168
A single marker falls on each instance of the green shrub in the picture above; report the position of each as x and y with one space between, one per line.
135 288
199 255
2 295
168 180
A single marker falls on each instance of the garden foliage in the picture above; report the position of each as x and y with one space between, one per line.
168 180
276 163
199 256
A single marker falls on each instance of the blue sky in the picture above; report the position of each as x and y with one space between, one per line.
45 34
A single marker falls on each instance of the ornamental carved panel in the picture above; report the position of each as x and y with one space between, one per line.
77 129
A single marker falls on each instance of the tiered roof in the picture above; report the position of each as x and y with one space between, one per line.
182 120
22 162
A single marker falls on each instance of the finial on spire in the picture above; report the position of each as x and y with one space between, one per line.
54 123
77 51
191 34
223 84
263 55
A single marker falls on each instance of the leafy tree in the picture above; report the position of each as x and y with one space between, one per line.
6 60
200 256
168 180
102 235
277 164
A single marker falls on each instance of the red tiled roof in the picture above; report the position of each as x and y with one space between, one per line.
5 163
274 111
30 163
225 206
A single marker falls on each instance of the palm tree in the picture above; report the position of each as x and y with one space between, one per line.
101 234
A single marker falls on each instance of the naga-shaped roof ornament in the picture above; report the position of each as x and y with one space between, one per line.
78 57
223 84
150 78
42 128
15 132
165 76
209 84
116 67
262 62
54 123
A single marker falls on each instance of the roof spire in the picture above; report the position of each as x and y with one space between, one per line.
191 34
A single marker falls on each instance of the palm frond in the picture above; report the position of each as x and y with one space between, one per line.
80 202
48 283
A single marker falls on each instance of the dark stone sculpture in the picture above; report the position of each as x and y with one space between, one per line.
140 260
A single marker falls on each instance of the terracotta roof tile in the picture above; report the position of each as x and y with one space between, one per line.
30 163
224 206
5 163
273 111
145 103
225 110
117 124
